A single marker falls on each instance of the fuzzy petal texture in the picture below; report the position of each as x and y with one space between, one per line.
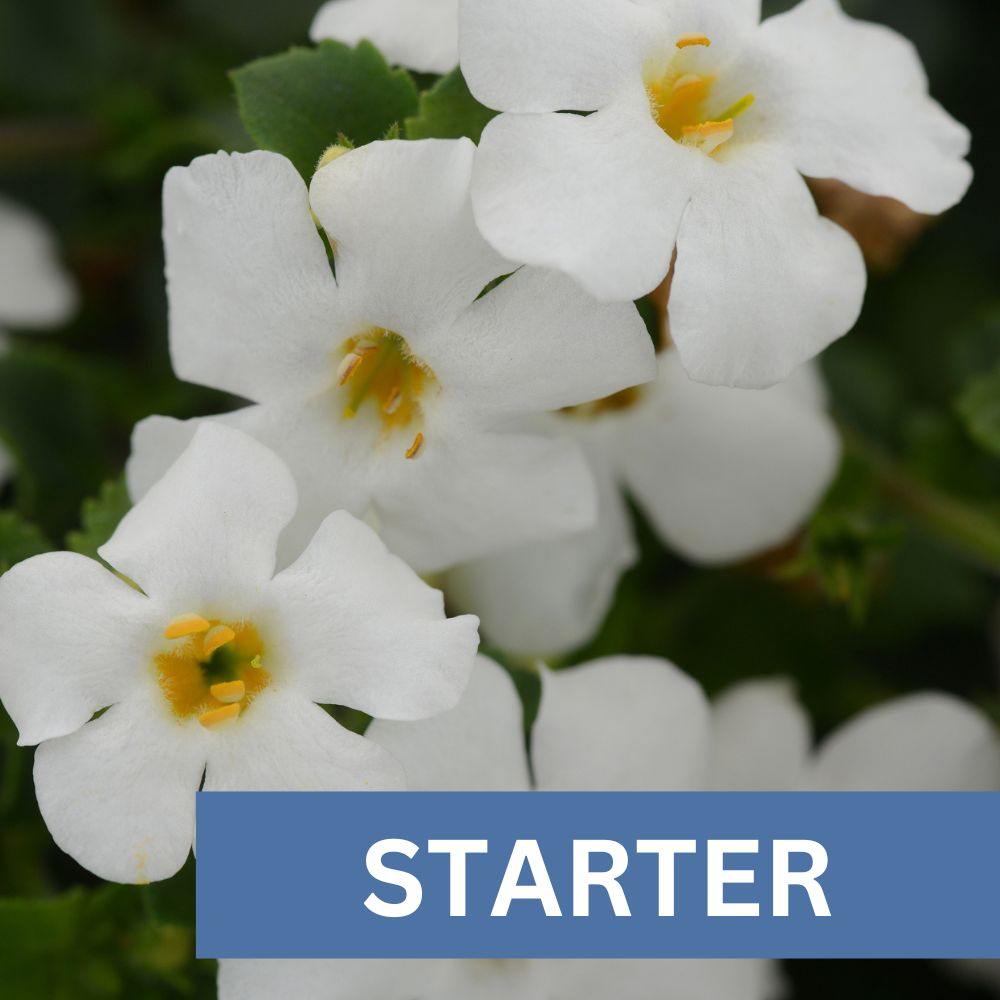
761 739
356 626
849 100
599 198
418 34
924 742
477 746
285 743
621 724
727 473
210 526
73 640
118 795
762 283
252 298
549 598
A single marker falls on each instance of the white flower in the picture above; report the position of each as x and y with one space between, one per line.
420 34
612 725
388 390
706 121
213 668
721 474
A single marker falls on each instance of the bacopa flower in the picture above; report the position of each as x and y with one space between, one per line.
705 122
389 388
721 474
213 669
420 34
620 724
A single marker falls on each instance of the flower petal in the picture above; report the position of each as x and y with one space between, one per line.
358 627
322 979
422 36
408 255
599 198
476 746
728 473
923 742
285 743
538 342
118 795
761 739
208 530
72 640
762 283
621 724
252 298
849 100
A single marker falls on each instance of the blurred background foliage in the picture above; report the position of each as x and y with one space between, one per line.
892 588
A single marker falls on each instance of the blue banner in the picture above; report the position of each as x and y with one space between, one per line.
598 875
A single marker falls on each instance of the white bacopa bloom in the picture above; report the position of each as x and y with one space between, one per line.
705 122
419 34
389 388
620 724
216 668
720 473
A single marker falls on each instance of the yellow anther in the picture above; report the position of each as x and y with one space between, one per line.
228 692
219 716
414 449
686 82
695 38
216 638
348 367
184 625
392 401
708 136
334 152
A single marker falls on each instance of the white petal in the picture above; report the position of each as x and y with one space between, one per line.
849 100
252 298
463 498
285 743
761 739
420 34
621 724
728 473
561 55
923 742
323 979
408 255
538 342
118 795
599 198
762 282
35 290
356 626
208 530
73 639
547 598
477 746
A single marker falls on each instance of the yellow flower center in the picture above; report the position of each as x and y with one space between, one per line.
212 669
680 99
378 372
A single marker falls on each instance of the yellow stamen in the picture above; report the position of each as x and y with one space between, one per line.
414 449
219 716
184 625
216 638
348 367
228 692
735 110
256 662
392 401
685 41
708 136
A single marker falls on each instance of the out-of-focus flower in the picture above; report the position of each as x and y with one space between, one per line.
419 34
389 389
215 666
706 121
722 474
621 724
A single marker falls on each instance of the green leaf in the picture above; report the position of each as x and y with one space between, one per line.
979 408
19 540
297 103
99 517
449 111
